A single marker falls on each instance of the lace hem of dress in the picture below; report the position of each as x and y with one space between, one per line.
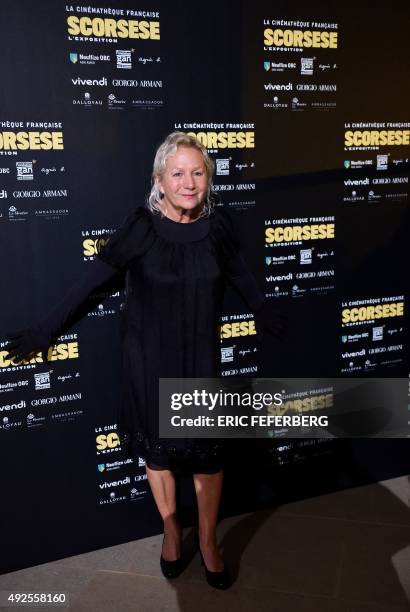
201 450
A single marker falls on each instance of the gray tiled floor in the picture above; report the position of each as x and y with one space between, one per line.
344 552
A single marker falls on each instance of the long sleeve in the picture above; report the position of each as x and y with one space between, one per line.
40 335
98 273
240 275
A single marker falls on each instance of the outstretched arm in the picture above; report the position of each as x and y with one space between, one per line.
40 336
266 317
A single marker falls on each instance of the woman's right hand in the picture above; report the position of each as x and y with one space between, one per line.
24 342
270 319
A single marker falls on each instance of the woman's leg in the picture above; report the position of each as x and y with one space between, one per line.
208 488
162 483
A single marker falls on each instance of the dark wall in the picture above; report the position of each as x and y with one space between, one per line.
66 487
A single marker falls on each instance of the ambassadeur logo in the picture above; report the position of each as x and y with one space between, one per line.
300 38
94 28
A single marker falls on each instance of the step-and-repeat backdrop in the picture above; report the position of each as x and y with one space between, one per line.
305 110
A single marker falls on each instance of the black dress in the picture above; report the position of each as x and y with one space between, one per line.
175 283
176 276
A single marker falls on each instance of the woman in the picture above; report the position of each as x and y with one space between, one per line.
178 253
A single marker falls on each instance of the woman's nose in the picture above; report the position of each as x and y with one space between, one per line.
188 182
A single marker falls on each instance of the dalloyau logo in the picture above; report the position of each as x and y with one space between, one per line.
97 82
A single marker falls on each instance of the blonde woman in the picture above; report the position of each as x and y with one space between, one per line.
179 253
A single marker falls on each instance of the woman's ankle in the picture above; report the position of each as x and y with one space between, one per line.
171 525
208 541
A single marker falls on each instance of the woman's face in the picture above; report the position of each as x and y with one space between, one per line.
185 182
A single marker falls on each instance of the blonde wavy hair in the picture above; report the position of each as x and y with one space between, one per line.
169 147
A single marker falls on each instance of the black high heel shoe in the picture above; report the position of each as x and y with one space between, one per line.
170 569
217 580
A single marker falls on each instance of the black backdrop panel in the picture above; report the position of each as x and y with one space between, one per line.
88 92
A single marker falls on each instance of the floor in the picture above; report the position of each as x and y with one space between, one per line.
343 552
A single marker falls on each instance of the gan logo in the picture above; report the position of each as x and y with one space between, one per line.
306 65
382 162
24 171
222 167
124 59
227 354
306 256
42 381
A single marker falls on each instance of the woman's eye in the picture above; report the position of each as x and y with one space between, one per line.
199 173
